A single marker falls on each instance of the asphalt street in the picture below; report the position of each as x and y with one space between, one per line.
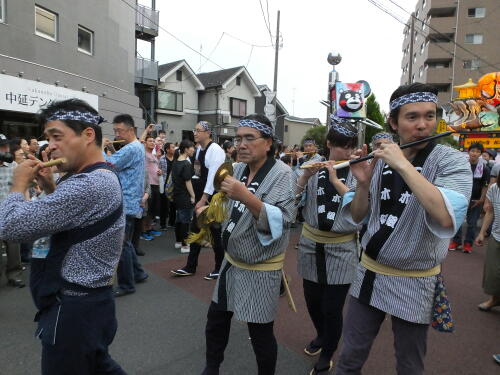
161 326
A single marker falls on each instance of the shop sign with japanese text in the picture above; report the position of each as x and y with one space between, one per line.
24 95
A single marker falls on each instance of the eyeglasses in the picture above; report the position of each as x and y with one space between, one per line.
199 131
246 139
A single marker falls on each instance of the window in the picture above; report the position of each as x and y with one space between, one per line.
85 40
238 107
45 23
438 65
472 64
443 88
421 71
286 128
170 100
238 81
413 78
422 48
423 3
2 11
476 12
178 75
474 38
415 57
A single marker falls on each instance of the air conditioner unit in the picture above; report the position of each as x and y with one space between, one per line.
226 119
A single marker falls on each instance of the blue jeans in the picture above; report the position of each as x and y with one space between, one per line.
472 218
129 269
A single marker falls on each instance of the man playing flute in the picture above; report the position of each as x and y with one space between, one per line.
414 200
255 236
328 251
81 223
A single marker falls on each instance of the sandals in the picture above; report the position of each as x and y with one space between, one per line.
485 306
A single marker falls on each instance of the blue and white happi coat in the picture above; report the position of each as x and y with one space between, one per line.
417 242
253 295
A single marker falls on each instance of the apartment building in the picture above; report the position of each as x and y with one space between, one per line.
54 49
430 54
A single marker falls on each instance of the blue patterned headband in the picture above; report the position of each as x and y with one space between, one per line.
382 135
263 128
309 142
340 126
205 125
87 117
414 97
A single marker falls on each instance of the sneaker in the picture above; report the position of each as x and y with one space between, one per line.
325 371
496 357
163 229
146 237
178 245
185 249
467 248
214 275
453 246
153 233
182 272
311 349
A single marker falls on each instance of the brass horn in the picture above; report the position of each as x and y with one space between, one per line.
216 212
226 169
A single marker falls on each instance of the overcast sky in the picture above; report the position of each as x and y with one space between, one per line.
369 41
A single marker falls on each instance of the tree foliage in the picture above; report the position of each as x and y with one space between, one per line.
374 113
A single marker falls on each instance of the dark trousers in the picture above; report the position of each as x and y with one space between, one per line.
362 325
217 336
26 248
472 218
86 326
167 209
137 234
129 268
13 268
171 213
154 201
181 233
192 261
325 304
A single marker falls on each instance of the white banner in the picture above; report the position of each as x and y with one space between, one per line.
24 95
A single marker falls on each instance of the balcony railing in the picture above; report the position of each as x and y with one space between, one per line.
438 75
146 71
147 20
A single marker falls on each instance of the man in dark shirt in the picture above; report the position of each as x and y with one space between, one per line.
481 177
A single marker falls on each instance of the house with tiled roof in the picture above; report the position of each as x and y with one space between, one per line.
296 128
229 95
177 99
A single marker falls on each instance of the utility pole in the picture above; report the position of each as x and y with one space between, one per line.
270 106
277 46
275 84
412 36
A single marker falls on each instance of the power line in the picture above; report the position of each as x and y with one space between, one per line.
249 57
266 22
445 36
250 44
211 52
172 35
267 10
